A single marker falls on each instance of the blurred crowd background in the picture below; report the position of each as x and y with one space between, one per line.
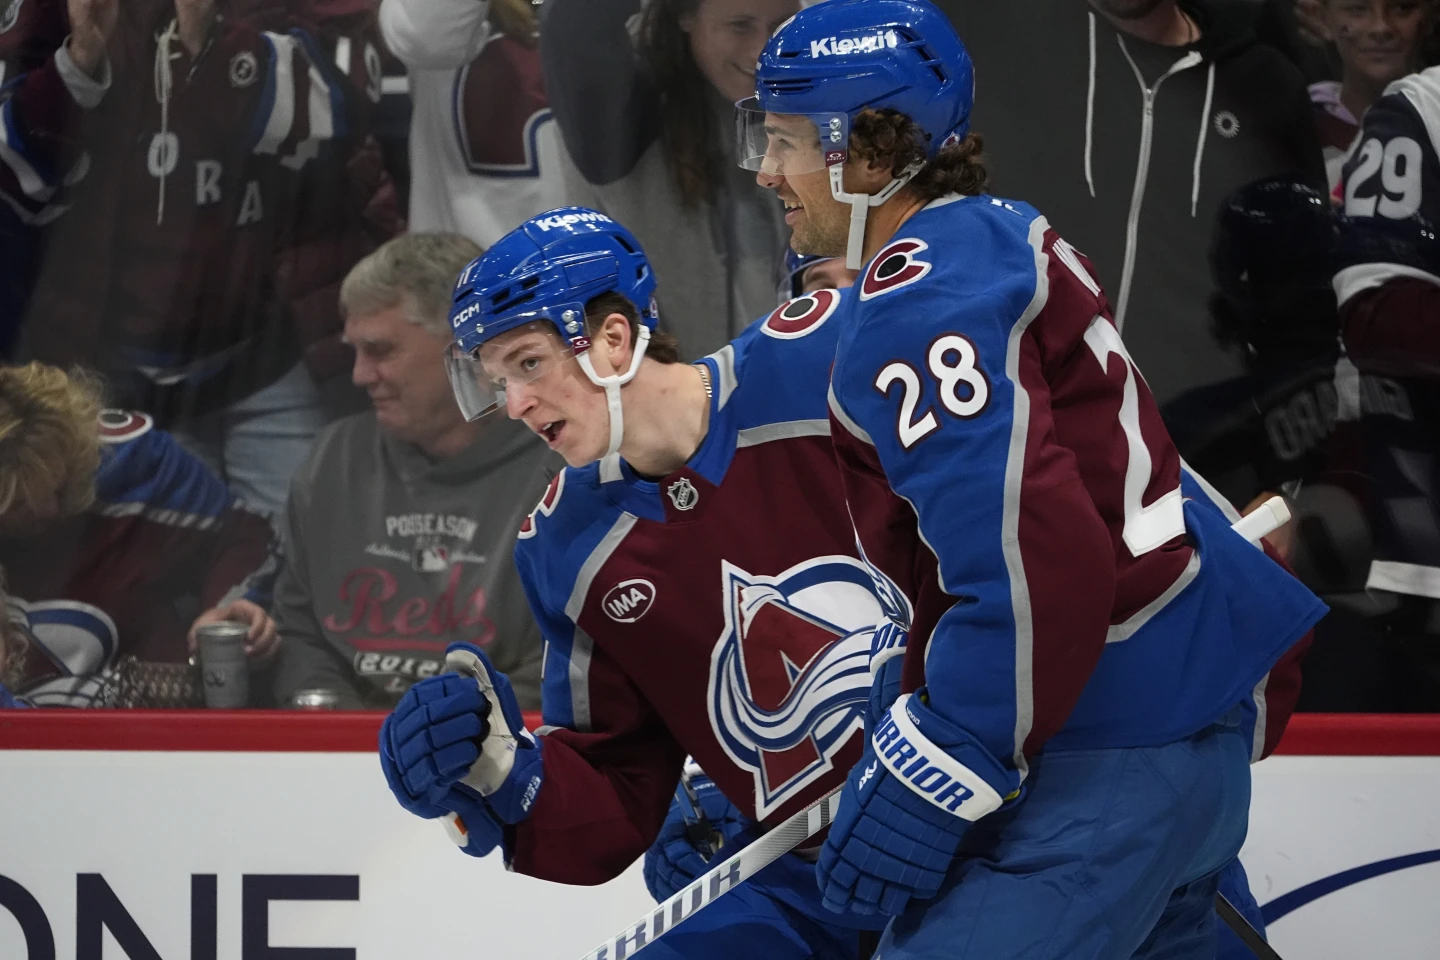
230 228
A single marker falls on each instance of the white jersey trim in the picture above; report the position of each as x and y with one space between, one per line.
785 430
607 546
1010 513
1411 579
1128 629
850 425
1367 276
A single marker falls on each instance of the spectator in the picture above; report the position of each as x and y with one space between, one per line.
50 79
214 213
1377 41
1130 122
400 525
107 529
484 152
644 95
13 649
1389 295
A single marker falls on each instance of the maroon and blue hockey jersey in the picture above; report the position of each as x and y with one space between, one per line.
720 612
1006 465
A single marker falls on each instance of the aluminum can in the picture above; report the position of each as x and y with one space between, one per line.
223 665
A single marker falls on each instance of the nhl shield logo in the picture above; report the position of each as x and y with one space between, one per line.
683 494
790 674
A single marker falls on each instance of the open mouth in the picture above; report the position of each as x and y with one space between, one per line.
792 209
551 431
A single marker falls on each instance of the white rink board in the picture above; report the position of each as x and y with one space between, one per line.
146 822
1315 817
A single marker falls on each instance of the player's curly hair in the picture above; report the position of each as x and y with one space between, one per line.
887 136
689 129
663 348
49 442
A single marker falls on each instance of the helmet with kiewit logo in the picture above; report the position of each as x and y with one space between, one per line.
833 60
543 273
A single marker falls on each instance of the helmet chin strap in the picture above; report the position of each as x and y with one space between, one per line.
613 383
860 204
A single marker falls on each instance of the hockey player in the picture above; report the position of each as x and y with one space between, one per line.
1067 771
694 574
1388 289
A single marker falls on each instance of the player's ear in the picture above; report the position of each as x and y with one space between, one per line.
866 176
614 337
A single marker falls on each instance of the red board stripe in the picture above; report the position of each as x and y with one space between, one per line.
1333 734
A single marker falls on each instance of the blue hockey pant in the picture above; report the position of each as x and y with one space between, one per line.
1112 854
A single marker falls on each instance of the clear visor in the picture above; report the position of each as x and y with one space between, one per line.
779 144
502 370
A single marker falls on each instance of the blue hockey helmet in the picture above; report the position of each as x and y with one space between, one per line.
539 276
833 60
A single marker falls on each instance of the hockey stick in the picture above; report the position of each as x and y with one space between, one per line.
771 846
1248 935
731 872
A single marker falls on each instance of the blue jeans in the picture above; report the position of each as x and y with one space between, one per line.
1112 854
256 444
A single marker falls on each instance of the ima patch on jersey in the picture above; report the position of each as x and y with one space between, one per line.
790 674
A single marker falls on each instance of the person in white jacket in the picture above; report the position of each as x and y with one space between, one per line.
484 150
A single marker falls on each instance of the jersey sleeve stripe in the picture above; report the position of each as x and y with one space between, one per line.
280 102
1010 515
846 421
784 430
588 570
581 649
1262 716
726 382
1355 280
1124 631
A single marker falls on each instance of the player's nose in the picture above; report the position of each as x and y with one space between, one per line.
518 402
770 181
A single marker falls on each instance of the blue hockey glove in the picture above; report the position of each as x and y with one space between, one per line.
694 830
887 662
904 809
452 712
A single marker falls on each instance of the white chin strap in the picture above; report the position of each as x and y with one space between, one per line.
860 204
612 385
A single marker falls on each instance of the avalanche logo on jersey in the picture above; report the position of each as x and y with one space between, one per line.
790 675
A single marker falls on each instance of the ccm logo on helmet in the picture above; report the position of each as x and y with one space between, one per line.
568 219
893 268
464 316
832 46
801 316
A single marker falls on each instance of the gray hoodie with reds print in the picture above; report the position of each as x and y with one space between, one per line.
391 555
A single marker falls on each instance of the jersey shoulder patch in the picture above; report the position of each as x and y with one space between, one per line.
801 316
897 265
548 502
122 426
